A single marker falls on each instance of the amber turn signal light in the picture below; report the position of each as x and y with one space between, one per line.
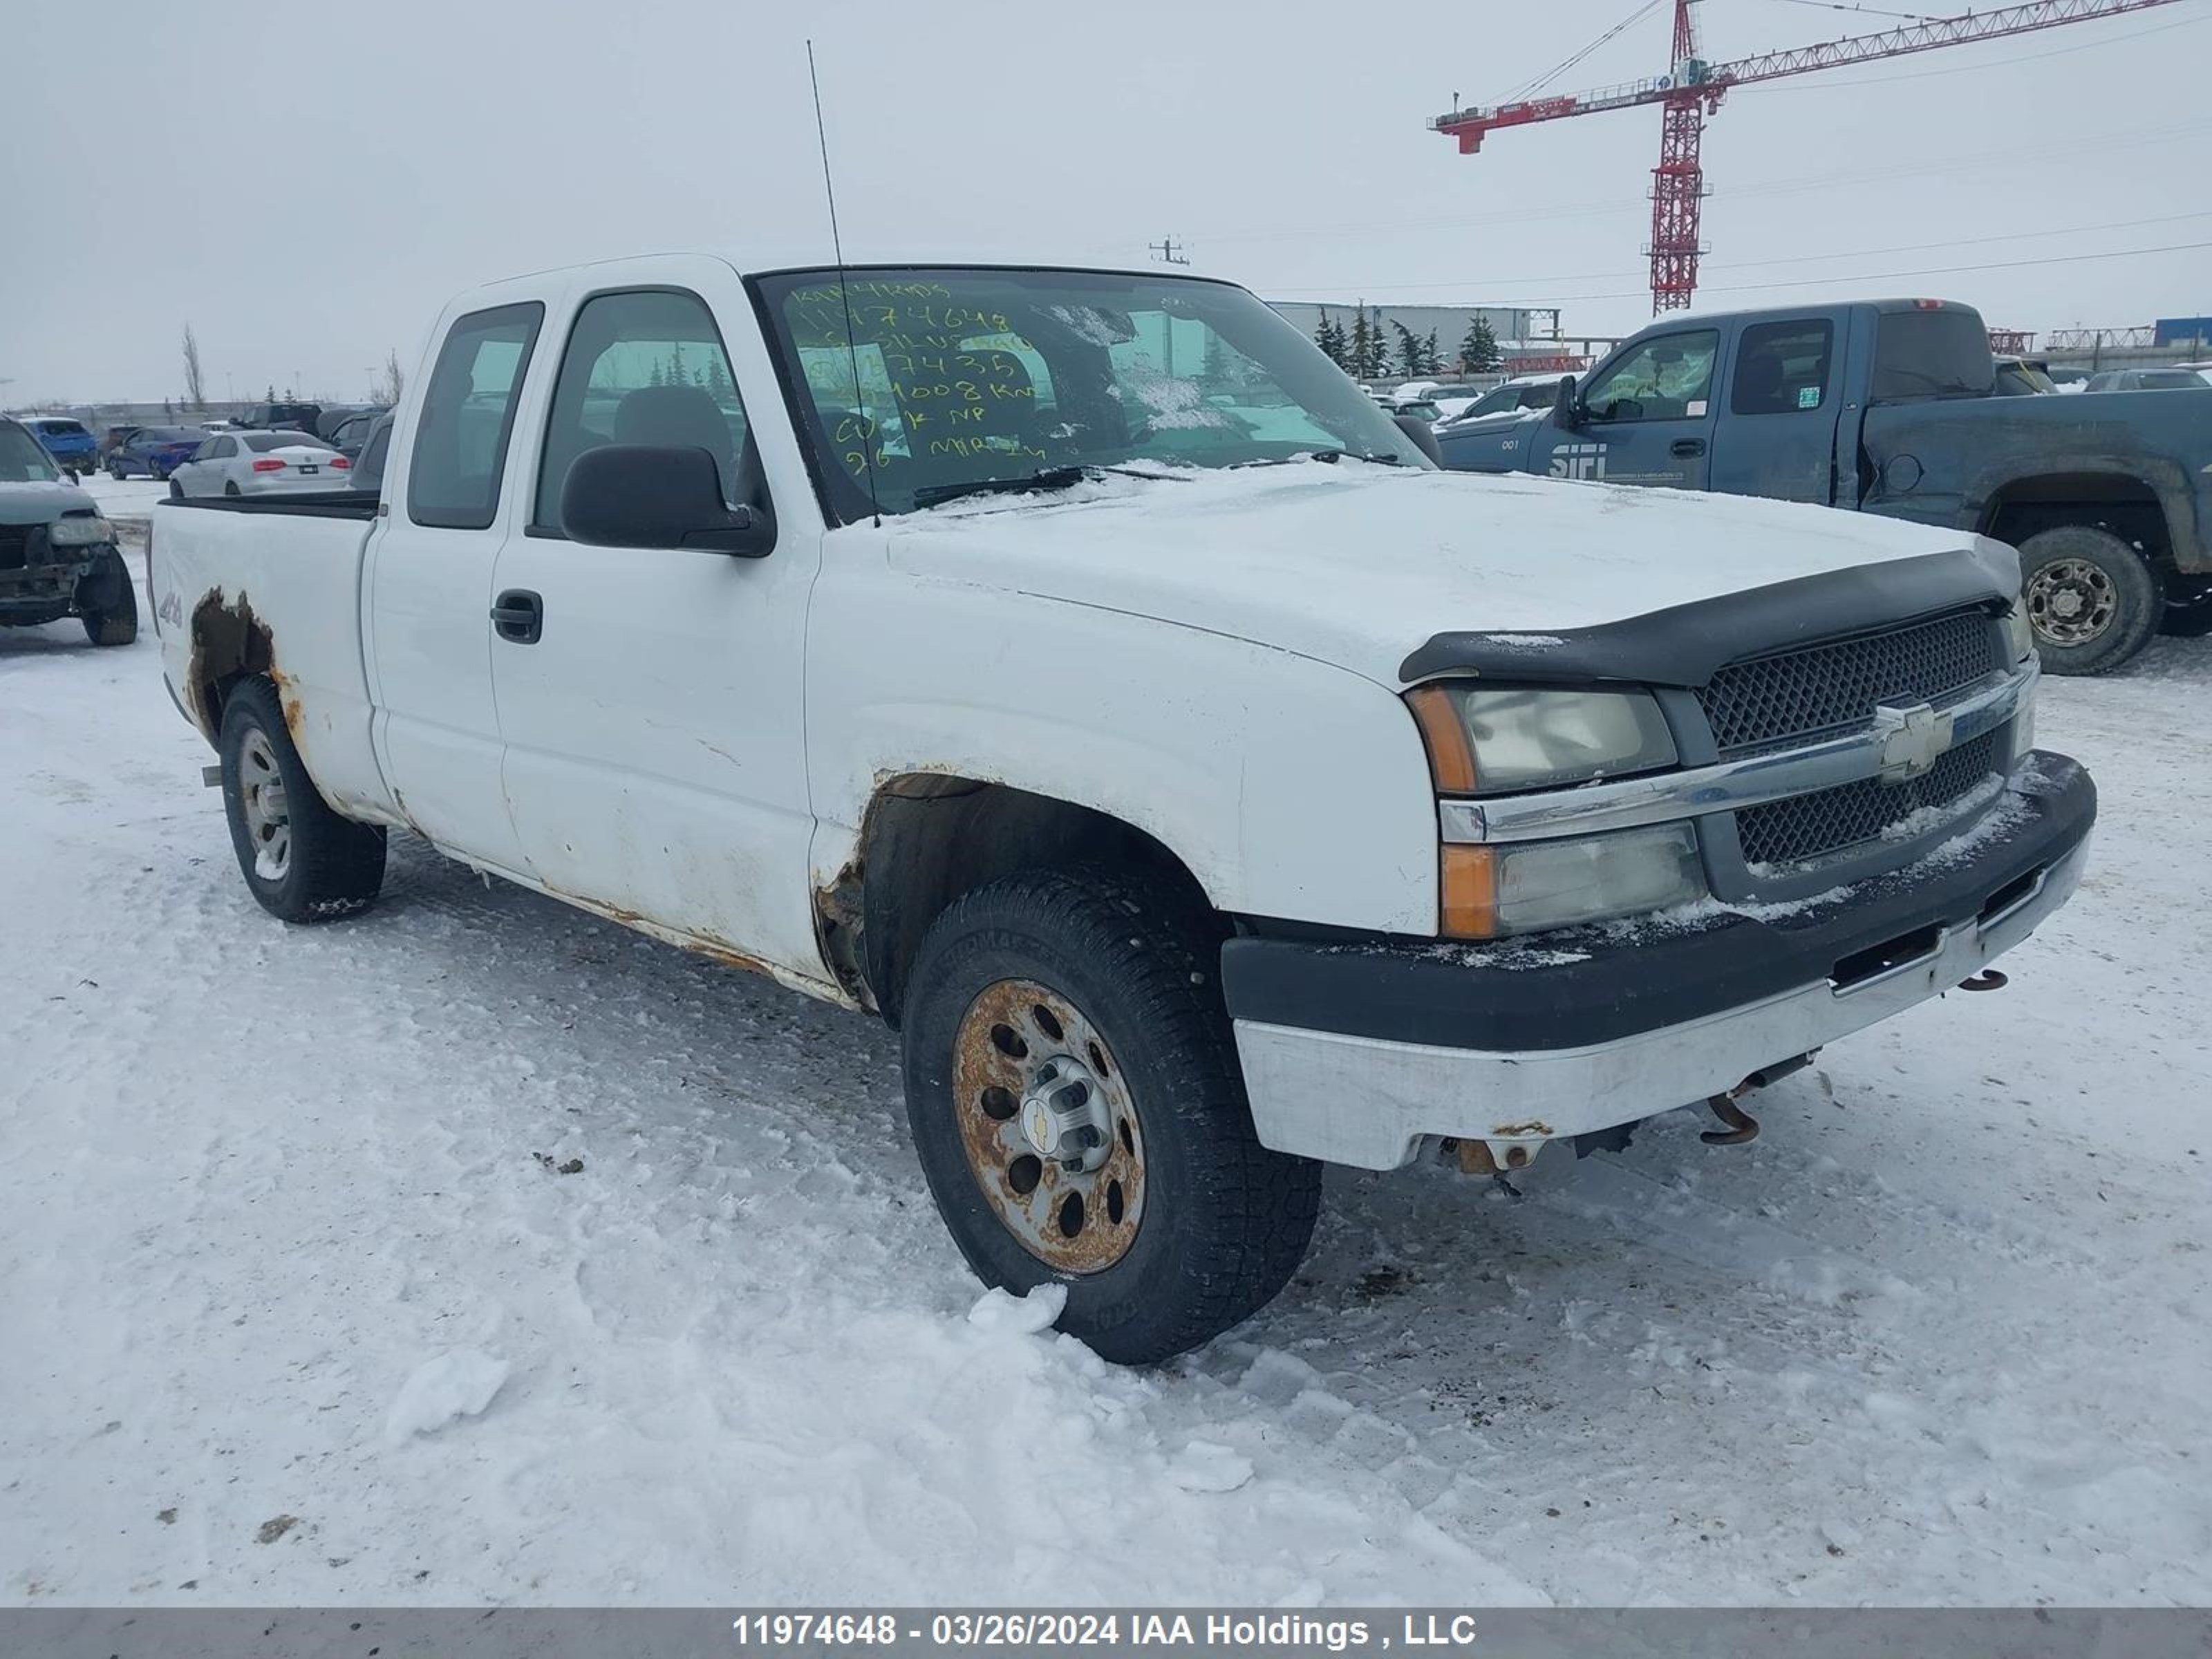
1469 886
1451 757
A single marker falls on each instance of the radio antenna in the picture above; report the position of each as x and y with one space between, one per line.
845 296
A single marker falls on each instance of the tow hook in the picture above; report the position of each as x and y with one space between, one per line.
1741 1125
1988 980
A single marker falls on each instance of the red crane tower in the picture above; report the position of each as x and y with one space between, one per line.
1692 90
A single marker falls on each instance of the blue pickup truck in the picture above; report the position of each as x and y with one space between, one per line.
1889 406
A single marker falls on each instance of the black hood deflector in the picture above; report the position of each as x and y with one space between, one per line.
1685 645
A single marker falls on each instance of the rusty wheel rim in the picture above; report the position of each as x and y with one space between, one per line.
1020 1044
266 807
2071 601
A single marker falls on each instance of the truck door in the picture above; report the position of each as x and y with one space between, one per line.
1779 438
655 744
1647 417
429 589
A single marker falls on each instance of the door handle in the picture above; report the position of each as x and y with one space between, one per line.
1686 448
519 615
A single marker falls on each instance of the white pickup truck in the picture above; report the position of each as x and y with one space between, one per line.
1075 670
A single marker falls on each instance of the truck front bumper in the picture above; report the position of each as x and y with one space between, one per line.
34 590
1354 1051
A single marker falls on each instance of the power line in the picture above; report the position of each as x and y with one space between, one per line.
2040 232
1870 11
1873 276
1998 158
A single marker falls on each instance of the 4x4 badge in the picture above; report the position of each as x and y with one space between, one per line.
1912 740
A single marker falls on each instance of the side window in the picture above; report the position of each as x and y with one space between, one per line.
1782 368
644 368
1666 378
224 449
467 415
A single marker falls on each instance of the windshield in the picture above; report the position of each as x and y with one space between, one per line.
62 429
2172 379
1932 354
968 376
261 442
21 459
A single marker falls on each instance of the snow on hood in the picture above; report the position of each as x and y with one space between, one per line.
1356 565
40 503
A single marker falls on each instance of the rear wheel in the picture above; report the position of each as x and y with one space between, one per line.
302 861
230 488
176 489
1074 1089
2092 599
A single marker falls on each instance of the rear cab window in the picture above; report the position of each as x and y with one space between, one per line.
1919 354
467 417
1782 368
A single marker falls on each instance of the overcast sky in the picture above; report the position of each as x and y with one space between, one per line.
307 186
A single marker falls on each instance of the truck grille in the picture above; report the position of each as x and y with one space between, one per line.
1806 827
14 546
1797 696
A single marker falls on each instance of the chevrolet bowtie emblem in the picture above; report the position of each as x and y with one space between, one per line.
1912 740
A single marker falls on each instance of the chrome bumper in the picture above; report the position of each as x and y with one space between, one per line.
1369 1101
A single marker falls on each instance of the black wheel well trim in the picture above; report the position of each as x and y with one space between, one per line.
929 838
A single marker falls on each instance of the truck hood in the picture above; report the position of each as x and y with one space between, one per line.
1357 565
41 503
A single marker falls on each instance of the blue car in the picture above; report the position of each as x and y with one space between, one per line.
73 447
153 451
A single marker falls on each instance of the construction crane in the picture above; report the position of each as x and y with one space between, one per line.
1691 90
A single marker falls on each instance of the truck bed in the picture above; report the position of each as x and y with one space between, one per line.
272 586
317 504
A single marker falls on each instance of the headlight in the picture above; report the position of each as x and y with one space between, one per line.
2019 634
1487 742
1527 887
79 531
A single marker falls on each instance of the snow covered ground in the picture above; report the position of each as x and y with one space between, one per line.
479 1251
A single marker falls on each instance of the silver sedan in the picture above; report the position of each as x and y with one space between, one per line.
260 463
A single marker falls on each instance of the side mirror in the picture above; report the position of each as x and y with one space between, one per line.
658 495
1566 407
1423 435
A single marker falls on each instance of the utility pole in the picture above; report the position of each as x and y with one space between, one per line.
1166 251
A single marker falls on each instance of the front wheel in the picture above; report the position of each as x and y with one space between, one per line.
302 861
1074 1089
2092 599
176 489
106 604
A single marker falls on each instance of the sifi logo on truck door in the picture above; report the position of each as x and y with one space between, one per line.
1578 461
